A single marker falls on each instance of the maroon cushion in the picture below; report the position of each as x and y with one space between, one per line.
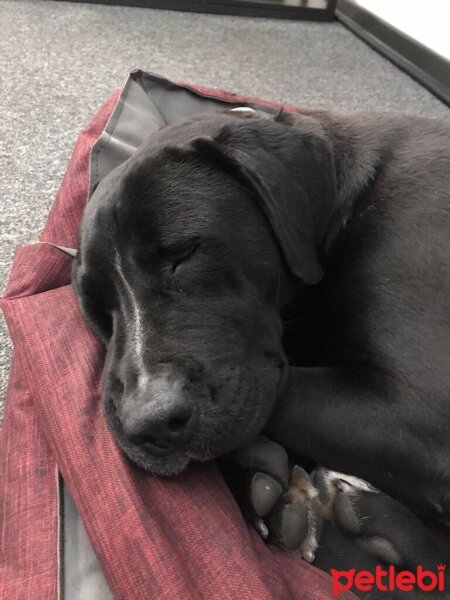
181 538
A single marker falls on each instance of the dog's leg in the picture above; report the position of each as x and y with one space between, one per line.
340 419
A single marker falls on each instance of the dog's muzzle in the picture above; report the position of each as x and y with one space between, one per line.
159 415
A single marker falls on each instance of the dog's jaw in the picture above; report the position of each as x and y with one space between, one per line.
169 466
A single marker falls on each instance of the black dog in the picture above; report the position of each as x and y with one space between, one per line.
240 262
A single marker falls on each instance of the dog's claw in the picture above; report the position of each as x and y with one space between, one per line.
261 528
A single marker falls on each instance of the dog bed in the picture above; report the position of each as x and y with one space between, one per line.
79 521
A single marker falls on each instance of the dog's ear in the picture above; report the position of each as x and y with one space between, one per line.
290 170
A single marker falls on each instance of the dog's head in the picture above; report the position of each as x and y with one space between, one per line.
187 251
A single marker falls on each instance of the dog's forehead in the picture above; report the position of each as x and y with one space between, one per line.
163 192
156 200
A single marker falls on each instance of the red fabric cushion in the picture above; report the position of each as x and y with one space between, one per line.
154 538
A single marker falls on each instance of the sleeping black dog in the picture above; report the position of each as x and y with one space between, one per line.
290 275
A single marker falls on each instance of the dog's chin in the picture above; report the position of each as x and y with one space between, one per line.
167 465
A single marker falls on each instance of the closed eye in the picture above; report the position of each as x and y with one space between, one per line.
185 257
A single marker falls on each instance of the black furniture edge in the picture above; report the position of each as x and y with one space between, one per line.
244 8
421 63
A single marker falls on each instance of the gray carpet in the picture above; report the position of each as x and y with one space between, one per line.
59 61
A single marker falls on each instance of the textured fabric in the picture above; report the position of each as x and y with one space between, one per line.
174 539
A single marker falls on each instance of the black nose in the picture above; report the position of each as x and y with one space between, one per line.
161 413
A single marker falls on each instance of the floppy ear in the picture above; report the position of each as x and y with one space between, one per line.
291 173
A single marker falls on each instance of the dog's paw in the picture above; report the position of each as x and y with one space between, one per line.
295 522
361 511
376 523
327 517
281 503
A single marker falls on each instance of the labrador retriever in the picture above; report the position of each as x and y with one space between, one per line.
289 274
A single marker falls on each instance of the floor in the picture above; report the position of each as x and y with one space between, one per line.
59 61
